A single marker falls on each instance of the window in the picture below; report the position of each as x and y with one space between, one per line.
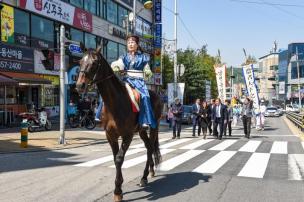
112 51
76 35
91 6
112 11
22 27
122 13
78 3
122 49
103 8
90 41
42 29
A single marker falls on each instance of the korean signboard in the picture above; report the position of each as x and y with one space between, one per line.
60 11
41 68
282 87
157 11
7 24
158 79
220 73
10 2
13 58
251 87
158 36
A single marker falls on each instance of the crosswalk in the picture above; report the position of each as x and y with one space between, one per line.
211 156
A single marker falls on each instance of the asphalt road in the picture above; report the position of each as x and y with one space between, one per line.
268 167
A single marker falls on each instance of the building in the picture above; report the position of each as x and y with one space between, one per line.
29 47
282 75
268 67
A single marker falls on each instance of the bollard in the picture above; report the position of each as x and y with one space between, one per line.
24 134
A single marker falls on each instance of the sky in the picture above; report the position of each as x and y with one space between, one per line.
230 26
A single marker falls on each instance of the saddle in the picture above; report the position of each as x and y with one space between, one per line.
134 96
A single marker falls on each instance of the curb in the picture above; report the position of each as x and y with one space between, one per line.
294 129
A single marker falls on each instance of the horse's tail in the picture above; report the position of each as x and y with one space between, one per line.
156 152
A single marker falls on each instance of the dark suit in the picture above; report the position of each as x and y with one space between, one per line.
177 110
209 118
196 119
219 119
229 121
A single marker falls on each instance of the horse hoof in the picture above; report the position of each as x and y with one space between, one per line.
143 183
152 174
118 197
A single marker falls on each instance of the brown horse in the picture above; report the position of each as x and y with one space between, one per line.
118 117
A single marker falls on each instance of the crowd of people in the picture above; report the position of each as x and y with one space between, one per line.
216 117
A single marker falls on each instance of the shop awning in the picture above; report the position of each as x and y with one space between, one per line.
5 81
26 78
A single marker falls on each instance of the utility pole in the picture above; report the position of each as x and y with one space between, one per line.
175 49
62 85
299 85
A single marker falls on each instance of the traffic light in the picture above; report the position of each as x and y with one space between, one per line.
48 62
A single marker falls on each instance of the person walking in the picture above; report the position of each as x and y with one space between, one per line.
210 121
170 116
204 118
246 116
236 115
219 115
260 118
177 110
196 117
229 118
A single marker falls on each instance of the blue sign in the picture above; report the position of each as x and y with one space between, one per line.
75 48
158 36
157 11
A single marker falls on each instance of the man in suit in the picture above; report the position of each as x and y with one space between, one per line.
219 114
196 117
246 116
209 115
229 118
177 110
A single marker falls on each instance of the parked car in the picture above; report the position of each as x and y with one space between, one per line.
292 108
280 110
187 115
272 111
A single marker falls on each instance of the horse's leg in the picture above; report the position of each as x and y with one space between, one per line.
155 149
144 136
126 141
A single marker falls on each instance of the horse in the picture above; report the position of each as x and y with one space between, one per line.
118 117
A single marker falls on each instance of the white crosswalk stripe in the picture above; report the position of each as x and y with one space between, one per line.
255 166
174 143
296 166
250 146
143 145
279 147
213 164
197 144
107 158
178 160
138 160
223 145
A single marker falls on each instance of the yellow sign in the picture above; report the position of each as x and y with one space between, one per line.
53 79
7 24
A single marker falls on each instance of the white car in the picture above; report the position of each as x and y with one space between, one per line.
292 108
272 111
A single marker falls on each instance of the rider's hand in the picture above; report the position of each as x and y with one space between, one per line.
116 69
148 73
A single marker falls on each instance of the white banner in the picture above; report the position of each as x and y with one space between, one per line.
41 69
180 87
282 87
220 73
251 87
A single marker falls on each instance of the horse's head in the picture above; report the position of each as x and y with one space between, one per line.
89 65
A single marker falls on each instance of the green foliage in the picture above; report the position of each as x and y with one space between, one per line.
199 67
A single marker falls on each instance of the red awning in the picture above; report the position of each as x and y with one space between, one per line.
7 81
26 78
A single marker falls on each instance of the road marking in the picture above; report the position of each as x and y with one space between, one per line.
105 159
255 166
250 146
296 166
143 144
177 142
223 145
141 159
216 162
279 147
178 160
196 144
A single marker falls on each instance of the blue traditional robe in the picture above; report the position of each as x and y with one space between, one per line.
146 115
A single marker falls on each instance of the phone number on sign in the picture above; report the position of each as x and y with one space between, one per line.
10 65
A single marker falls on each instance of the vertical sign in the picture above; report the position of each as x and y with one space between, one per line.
220 73
158 11
180 87
7 24
251 87
208 90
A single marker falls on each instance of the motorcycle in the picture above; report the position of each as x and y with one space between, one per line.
36 121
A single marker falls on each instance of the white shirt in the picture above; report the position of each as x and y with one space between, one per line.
218 111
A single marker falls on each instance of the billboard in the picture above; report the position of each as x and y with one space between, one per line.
7 24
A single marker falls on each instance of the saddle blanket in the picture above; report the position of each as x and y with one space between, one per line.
134 97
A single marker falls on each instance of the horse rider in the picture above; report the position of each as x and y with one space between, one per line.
136 65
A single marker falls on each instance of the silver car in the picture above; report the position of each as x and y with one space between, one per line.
272 111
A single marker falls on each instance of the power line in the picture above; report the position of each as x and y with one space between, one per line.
186 28
269 3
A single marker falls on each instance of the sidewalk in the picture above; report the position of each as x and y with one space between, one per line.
48 140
